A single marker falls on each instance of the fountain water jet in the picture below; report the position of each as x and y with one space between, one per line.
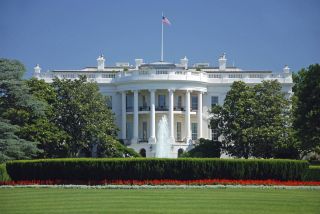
163 140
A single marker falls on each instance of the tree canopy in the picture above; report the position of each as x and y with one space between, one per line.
17 108
68 118
82 112
255 121
307 108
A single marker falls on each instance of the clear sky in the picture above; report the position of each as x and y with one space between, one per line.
70 34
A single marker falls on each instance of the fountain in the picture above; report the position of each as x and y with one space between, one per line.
163 140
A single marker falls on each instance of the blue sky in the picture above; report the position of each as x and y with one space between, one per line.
67 34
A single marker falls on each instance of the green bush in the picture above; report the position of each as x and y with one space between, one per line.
205 149
313 173
3 173
153 168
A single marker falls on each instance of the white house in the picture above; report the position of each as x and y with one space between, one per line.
140 95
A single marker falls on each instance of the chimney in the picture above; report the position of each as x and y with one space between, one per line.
138 62
37 70
222 62
101 61
286 69
184 62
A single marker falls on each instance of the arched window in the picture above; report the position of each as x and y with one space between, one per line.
180 152
143 153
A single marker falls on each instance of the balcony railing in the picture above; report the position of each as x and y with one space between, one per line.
179 108
144 108
143 140
195 108
129 109
185 75
162 108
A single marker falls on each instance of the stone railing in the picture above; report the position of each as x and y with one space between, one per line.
178 75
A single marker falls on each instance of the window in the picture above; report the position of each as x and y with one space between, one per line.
214 134
129 130
162 100
235 75
91 76
109 102
194 129
179 101
144 130
108 76
194 102
256 76
214 100
144 102
178 131
129 102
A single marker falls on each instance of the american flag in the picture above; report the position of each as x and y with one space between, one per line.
165 20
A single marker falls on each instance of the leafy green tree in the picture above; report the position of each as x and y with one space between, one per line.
234 120
307 108
17 108
81 111
255 121
12 147
16 103
51 138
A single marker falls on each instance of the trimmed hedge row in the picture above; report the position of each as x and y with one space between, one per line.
313 173
153 168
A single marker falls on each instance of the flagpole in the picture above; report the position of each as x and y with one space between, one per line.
162 38
161 41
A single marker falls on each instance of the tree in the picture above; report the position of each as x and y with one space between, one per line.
255 121
234 120
81 111
17 107
307 108
12 147
51 138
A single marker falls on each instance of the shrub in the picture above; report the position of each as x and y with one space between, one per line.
205 149
3 173
153 168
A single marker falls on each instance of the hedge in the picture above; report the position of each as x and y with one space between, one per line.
3 173
312 174
153 168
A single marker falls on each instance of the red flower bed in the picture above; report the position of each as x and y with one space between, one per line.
165 182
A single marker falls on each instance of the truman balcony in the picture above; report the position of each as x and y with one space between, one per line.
160 71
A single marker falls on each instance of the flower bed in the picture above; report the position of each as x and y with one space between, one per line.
165 182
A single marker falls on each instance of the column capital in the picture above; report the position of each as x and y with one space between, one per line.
188 90
152 90
171 89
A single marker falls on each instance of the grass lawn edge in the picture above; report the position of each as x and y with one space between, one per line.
161 187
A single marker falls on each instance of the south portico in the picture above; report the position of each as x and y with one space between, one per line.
149 105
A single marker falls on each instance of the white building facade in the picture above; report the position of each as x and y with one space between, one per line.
140 95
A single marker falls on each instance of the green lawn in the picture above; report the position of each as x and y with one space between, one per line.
40 200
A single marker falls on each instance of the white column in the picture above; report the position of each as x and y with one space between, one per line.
171 116
124 115
187 117
135 117
152 138
200 115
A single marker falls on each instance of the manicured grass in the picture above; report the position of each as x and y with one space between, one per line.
244 200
